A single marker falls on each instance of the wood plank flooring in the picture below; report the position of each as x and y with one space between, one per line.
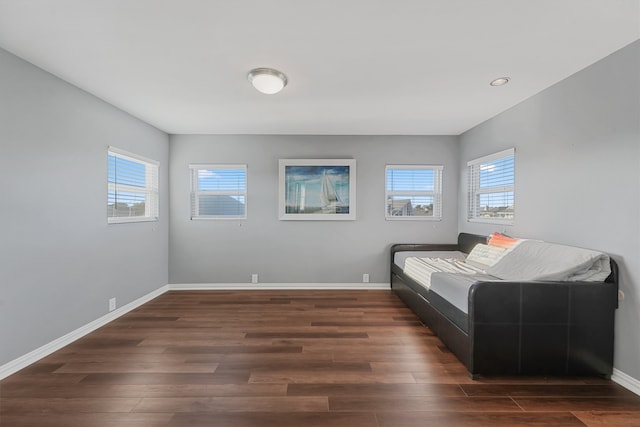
287 358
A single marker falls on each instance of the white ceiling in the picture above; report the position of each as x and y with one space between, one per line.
407 67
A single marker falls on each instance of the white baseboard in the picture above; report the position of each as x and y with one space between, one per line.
626 381
276 286
39 353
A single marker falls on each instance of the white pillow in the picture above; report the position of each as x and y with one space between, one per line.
483 256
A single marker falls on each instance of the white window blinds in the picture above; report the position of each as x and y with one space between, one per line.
132 183
413 192
491 188
218 191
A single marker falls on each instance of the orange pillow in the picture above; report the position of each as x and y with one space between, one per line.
502 241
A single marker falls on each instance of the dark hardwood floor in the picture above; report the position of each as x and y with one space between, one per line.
287 358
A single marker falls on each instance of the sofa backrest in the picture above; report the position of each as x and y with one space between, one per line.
467 241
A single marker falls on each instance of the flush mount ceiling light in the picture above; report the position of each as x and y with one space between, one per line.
500 81
267 80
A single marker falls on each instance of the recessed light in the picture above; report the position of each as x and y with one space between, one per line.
267 80
500 81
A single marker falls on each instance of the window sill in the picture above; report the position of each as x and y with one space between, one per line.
412 218
492 221
130 220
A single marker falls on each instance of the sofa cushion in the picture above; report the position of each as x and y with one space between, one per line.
483 256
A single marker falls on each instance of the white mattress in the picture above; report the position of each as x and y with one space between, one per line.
421 269
400 257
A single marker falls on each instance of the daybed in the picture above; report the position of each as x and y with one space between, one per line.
506 327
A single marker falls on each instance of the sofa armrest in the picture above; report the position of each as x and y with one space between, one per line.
539 302
542 327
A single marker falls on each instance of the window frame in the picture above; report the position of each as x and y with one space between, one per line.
195 193
474 191
150 190
436 193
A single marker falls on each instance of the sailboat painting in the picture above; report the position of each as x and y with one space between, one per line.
312 189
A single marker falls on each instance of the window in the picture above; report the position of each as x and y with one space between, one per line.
132 187
413 192
218 191
491 188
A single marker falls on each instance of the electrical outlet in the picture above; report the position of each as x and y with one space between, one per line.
365 278
112 304
254 278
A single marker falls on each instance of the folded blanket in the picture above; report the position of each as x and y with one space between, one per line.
537 260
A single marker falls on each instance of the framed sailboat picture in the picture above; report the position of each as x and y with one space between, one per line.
317 189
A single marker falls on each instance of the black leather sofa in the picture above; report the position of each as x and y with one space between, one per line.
519 328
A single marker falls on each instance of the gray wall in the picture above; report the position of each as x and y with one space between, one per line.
577 174
59 260
227 251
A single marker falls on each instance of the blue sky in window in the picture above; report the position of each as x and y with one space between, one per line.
497 173
222 179
126 198
126 172
497 199
410 180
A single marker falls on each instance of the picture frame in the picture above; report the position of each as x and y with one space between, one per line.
317 189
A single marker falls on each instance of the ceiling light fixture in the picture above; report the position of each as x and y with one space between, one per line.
500 81
267 80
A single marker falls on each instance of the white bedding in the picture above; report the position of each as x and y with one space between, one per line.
421 269
401 257
537 260
528 260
